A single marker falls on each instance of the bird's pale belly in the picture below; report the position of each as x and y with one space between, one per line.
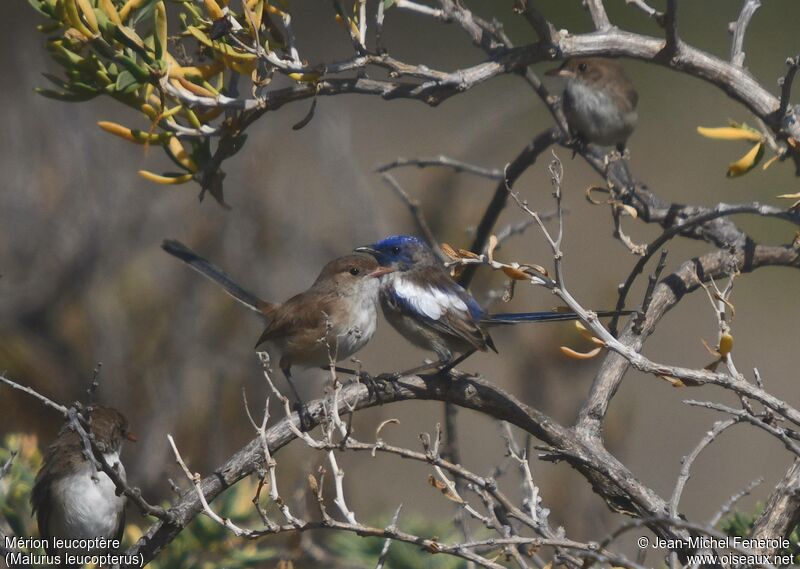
595 117
84 508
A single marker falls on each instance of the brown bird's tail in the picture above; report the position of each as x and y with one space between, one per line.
217 275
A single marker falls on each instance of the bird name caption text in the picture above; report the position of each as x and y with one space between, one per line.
26 551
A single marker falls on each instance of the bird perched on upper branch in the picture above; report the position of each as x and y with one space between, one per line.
599 100
334 318
72 500
423 303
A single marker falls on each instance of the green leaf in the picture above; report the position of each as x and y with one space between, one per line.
139 72
143 12
39 6
126 82
127 36
64 56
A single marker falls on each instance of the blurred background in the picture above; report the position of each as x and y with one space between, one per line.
84 279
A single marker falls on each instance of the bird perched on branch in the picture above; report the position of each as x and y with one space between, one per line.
422 302
334 318
599 100
71 498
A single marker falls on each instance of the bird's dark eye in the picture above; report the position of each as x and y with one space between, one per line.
395 250
354 271
581 67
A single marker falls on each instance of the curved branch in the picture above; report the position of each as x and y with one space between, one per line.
615 483
683 227
667 294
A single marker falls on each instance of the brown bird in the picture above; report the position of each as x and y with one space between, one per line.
335 317
67 501
599 100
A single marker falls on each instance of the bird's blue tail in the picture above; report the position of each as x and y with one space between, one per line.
548 316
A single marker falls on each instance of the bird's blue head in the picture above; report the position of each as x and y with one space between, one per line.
400 252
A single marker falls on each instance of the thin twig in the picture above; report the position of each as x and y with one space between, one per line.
512 173
731 502
793 64
652 281
646 8
721 210
744 415
443 161
688 460
388 541
416 212
739 29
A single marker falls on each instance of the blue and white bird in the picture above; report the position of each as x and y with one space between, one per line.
424 304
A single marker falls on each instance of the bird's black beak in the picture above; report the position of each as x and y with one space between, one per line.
367 249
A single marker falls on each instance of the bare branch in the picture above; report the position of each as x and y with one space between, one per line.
728 505
647 9
513 171
744 415
32 392
793 64
671 289
684 226
388 541
444 161
598 13
782 510
739 29
670 21
547 32
416 212
652 281
688 460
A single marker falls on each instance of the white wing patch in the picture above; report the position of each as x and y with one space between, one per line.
430 302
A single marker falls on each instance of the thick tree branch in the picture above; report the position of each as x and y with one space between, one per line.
613 481
782 511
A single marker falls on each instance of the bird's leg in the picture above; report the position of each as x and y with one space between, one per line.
577 142
620 152
299 406
448 367
412 371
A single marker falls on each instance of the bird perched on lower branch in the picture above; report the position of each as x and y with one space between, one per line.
599 100
334 318
432 311
71 498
